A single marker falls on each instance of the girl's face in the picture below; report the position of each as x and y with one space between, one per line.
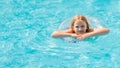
79 27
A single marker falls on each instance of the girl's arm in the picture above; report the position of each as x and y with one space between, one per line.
94 32
63 33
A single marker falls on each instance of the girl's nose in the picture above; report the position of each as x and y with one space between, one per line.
80 29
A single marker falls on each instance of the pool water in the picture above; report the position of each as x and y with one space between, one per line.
26 27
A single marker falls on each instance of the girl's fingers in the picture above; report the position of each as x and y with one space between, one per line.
80 38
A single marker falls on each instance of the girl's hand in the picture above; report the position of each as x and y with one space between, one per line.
81 37
74 35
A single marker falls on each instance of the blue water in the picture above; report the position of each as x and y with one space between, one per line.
26 27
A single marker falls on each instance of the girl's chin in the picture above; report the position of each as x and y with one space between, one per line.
80 33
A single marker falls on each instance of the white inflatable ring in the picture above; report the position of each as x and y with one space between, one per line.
66 24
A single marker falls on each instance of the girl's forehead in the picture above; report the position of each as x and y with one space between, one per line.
79 22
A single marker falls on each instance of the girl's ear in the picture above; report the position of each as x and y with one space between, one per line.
87 30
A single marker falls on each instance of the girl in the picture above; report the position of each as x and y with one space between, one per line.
80 29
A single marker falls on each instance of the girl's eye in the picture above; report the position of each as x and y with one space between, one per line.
77 26
82 26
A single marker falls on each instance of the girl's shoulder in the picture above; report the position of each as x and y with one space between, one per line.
67 30
91 30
